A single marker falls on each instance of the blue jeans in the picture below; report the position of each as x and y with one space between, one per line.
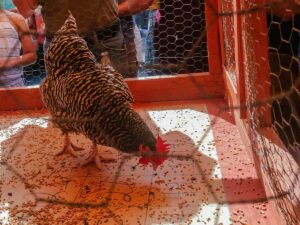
114 45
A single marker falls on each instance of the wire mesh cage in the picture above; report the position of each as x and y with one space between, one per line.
270 56
260 45
163 40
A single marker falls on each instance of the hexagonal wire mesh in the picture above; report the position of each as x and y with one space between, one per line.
165 33
281 165
158 41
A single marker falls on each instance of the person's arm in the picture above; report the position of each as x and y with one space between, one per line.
29 50
26 7
130 7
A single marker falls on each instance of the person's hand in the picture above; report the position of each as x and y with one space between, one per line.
26 7
15 10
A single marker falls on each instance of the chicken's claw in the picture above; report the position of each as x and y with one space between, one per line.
69 147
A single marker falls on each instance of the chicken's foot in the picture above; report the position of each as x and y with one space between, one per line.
94 157
69 147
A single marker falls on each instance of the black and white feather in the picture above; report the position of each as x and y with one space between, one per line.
86 97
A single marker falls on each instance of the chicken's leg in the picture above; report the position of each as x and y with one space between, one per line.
94 157
69 147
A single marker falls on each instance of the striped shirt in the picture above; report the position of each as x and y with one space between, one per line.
10 47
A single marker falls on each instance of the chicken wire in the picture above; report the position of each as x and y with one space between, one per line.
164 40
278 161
280 166
180 25
33 74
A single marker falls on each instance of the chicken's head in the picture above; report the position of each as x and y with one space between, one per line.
155 158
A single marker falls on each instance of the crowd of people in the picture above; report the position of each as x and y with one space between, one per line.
109 28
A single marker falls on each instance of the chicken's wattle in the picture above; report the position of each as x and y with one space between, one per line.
157 158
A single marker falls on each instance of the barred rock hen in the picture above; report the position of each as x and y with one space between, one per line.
85 97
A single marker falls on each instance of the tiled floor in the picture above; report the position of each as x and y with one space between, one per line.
210 181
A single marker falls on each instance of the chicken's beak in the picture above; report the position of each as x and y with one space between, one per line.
154 165
145 151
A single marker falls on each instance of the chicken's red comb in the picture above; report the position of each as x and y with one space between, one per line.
157 159
161 145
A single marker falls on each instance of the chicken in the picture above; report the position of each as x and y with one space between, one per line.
88 98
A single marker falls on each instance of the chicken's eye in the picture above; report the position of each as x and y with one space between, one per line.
142 148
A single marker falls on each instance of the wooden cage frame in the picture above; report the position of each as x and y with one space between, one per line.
213 84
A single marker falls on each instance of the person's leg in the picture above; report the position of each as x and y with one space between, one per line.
116 48
132 59
94 46
46 44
